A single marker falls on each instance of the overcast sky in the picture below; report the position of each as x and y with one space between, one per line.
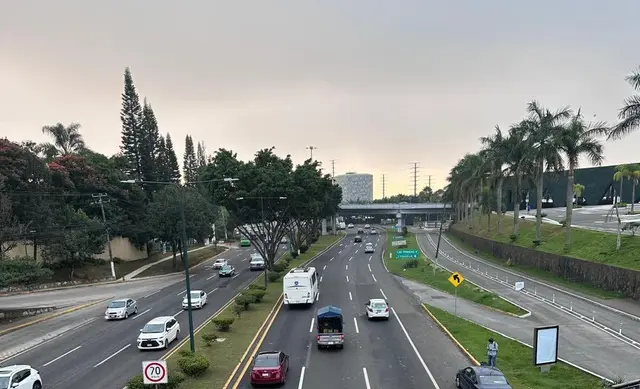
374 85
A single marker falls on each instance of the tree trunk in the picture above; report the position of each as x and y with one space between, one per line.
499 203
569 213
620 194
539 202
619 234
489 221
516 204
175 260
633 195
473 210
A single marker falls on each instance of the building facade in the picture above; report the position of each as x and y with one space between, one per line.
356 187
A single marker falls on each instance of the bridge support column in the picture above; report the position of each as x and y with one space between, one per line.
400 223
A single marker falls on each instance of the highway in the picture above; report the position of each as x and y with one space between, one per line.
408 351
593 335
102 354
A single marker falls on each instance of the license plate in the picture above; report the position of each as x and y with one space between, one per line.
330 343
147 344
265 374
378 311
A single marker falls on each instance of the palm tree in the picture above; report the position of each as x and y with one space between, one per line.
517 164
66 140
629 114
497 152
634 174
577 139
544 130
622 172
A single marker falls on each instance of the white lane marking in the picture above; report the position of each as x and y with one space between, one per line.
325 267
331 259
339 251
191 276
370 268
366 377
350 259
245 259
211 277
383 295
318 296
374 277
236 276
183 292
357 251
140 314
213 290
415 350
350 296
182 310
150 294
370 256
61 356
355 322
347 278
301 378
320 278
112 355
346 267
313 319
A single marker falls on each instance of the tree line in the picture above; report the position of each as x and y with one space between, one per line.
52 195
543 141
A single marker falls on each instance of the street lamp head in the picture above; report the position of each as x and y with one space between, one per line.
239 198
226 179
282 198
128 181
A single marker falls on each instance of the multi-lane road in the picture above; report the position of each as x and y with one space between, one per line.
408 351
82 350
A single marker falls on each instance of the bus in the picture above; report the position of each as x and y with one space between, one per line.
300 286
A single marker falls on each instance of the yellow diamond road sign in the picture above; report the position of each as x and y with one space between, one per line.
456 279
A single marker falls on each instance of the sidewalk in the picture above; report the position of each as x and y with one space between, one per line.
606 357
134 273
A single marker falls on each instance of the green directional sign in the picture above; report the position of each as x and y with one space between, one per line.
407 254
399 237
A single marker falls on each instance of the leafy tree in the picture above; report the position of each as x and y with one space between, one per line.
10 227
173 167
149 143
201 156
163 172
66 140
77 241
629 114
131 117
190 163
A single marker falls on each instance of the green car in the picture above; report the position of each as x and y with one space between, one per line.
226 271
245 243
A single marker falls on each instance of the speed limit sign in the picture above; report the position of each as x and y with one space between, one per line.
154 372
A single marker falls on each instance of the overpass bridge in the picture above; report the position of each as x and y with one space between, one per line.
404 212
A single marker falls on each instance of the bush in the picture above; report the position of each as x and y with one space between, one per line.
175 379
223 323
621 205
22 271
245 300
279 267
256 287
209 338
238 309
513 237
273 276
258 295
294 254
304 248
411 264
194 366
185 353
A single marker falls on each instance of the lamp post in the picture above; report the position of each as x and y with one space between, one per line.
262 198
185 252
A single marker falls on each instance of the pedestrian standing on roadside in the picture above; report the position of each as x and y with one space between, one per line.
492 352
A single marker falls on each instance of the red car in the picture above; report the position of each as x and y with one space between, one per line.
270 367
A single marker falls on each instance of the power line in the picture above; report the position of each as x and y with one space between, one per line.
49 194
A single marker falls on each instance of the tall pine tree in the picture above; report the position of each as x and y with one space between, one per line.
131 118
190 163
201 156
148 143
163 171
173 167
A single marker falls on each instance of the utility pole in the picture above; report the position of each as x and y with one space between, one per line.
430 187
383 186
415 180
333 168
311 148
99 196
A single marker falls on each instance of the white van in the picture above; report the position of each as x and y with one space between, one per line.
300 286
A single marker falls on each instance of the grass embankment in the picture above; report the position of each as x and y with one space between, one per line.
195 258
224 356
424 271
589 245
538 273
514 359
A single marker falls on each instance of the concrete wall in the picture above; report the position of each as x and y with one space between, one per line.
121 247
617 279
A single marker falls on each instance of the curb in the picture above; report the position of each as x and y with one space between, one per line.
87 285
57 314
450 335
136 278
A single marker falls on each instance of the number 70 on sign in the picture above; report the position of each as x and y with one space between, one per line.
154 372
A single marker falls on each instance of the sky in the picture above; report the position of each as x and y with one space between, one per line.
374 85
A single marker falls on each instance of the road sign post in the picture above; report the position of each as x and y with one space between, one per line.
456 279
154 372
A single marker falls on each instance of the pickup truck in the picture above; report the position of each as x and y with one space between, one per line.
330 333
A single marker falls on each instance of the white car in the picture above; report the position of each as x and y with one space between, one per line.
350 225
198 299
377 309
257 262
158 333
284 240
366 226
20 377
373 231
120 309
368 248
219 263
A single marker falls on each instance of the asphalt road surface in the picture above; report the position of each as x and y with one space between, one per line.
408 351
582 338
101 354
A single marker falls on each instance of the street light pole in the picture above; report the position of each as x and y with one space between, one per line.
187 280
265 239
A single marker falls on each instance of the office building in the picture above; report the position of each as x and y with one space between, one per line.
356 187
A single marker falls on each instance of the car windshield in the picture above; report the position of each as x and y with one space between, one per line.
117 304
492 380
226 268
270 360
153 329
195 295
4 382
379 305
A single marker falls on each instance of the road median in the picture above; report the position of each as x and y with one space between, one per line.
226 342
514 358
422 270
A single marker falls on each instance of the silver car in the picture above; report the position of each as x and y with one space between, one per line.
121 309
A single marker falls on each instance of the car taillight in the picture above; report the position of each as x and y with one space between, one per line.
387 309
318 338
341 336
